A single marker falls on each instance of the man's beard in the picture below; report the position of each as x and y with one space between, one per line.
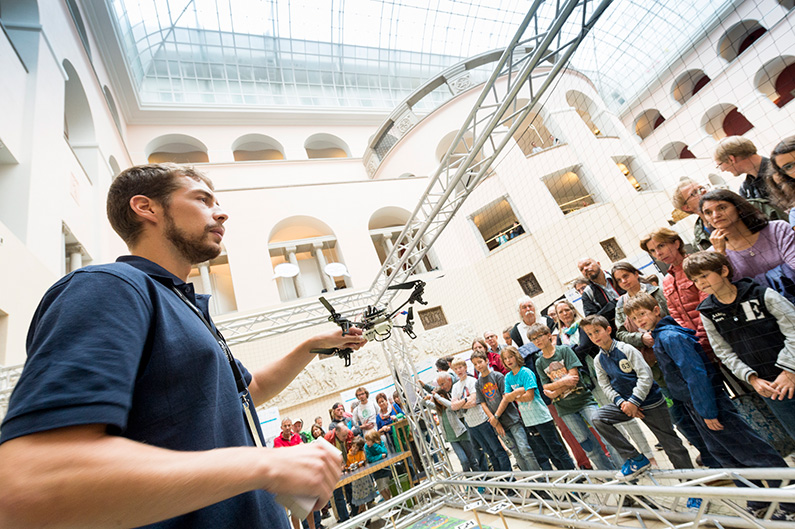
195 249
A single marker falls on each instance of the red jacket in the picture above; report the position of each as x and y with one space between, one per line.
331 438
683 297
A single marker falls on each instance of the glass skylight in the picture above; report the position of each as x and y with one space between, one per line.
370 54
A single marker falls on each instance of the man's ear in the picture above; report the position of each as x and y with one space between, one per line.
146 208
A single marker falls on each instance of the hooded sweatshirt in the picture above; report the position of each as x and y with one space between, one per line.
689 375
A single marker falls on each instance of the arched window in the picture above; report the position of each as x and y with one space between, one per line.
306 258
591 114
647 121
725 120
78 123
776 80
461 149
688 84
79 25
176 148
738 38
114 167
532 136
676 150
112 106
385 227
257 147
326 146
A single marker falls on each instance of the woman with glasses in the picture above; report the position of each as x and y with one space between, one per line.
781 180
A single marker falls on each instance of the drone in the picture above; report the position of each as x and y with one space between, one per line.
376 323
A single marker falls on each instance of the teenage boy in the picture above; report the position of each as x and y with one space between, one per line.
464 397
520 387
490 390
751 329
558 370
692 379
626 380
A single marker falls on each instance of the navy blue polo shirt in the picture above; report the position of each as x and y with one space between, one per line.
113 344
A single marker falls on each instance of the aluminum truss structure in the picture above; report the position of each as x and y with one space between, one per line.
551 41
596 500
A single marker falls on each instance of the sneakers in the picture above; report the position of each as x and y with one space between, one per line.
633 467
693 504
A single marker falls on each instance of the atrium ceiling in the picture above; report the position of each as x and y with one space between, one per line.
368 55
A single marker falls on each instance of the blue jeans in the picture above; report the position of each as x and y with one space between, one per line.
466 455
483 435
340 503
578 423
516 441
546 444
784 410
684 422
738 445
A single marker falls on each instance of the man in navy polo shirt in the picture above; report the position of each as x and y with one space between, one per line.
129 411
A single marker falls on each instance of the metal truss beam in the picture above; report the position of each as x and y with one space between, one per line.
487 130
483 136
595 499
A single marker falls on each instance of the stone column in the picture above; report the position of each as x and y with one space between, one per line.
75 256
297 280
204 273
328 284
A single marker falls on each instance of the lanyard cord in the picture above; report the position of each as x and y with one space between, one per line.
241 383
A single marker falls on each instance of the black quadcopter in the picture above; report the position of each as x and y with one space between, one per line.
376 324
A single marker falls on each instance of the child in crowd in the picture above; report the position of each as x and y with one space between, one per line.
558 368
363 489
752 330
375 451
692 379
490 390
627 381
520 387
464 397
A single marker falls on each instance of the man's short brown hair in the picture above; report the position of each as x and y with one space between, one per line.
641 300
537 329
736 146
155 181
479 354
700 262
595 319
663 235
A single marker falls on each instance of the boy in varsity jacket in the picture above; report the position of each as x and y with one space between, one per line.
752 330
626 380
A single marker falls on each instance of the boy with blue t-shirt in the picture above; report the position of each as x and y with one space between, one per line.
692 380
626 379
521 387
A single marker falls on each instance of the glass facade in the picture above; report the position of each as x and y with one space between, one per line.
371 54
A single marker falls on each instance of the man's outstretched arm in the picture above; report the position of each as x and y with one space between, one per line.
270 380
82 477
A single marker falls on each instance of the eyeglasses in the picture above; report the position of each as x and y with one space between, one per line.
696 192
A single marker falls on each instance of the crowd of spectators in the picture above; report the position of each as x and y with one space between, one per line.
568 390
722 323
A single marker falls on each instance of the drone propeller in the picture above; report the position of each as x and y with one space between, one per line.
336 317
404 286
